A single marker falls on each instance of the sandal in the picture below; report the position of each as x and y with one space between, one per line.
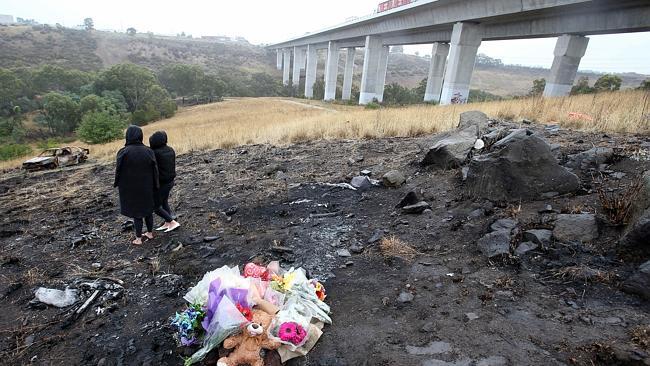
135 242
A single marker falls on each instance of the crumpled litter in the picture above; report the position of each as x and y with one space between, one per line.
57 298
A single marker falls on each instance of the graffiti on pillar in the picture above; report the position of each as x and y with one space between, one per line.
458 99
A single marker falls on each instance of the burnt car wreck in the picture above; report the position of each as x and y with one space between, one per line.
57 157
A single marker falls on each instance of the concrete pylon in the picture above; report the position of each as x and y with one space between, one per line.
331 70
381 72
465 41
569 50
369 82
278 54
310 70
439 54
348 74
298 64
286 64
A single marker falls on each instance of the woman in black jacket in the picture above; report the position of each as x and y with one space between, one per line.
166 160
136 176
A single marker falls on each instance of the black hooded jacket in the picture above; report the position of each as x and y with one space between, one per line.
136 175
165 157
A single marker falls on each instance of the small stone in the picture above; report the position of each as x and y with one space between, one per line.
470 316
409 199
366 172
525 247
618 175
546 209
639 282
417 208
479 144
376 236
356 249
361 183
504 225
393 178
349 263
580 228
96 265
540 237
405 297
343 253
429 327
102 362
494 244
209 239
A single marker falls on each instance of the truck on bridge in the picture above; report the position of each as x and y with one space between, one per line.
392 4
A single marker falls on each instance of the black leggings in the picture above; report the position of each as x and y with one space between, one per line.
137 224
162 202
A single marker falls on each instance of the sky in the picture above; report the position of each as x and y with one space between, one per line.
271 21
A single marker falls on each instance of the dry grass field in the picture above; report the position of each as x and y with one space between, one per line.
278 121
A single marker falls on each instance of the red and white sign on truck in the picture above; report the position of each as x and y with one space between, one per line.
392 4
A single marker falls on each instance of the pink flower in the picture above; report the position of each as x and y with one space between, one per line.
292 332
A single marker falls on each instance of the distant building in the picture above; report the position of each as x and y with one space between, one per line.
6 19
217 38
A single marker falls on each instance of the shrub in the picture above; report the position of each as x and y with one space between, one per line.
11 151
373 105
100 127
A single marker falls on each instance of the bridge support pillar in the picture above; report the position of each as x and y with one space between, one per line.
331 71
348 74
381 72
286 65
310 71
465 40
278 63
439 54
373 51
298 64
569 50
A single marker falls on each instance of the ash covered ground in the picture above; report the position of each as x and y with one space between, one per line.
435 296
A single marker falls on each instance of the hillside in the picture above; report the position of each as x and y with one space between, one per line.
38 45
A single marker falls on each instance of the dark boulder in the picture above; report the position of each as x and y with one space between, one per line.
523 169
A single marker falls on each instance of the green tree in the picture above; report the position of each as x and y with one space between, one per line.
181 79
11 87
645 85
608 82
264 85
582 86
421 89
89 24
131 31
130 80
99 127
538 87
55 78
158 99
61 113
94 103
212 86
398 95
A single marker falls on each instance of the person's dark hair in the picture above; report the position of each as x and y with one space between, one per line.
134 135
158 139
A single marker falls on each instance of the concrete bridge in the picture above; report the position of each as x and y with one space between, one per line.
456 29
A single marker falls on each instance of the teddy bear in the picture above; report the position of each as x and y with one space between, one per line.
248 344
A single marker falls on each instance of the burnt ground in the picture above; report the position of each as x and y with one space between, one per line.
62 228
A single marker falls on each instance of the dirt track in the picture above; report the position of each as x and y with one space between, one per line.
63 226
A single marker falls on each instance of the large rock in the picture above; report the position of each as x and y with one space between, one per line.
539 236
591 158
639 282
474 118
393 178
524 169
578 228
453 150
361 182
638 233
504 225
495 243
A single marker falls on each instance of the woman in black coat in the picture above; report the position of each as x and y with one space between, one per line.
166 160
136 176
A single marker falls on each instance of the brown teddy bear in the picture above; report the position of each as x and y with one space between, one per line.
248 344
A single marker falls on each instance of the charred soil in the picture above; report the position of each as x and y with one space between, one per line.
435 301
